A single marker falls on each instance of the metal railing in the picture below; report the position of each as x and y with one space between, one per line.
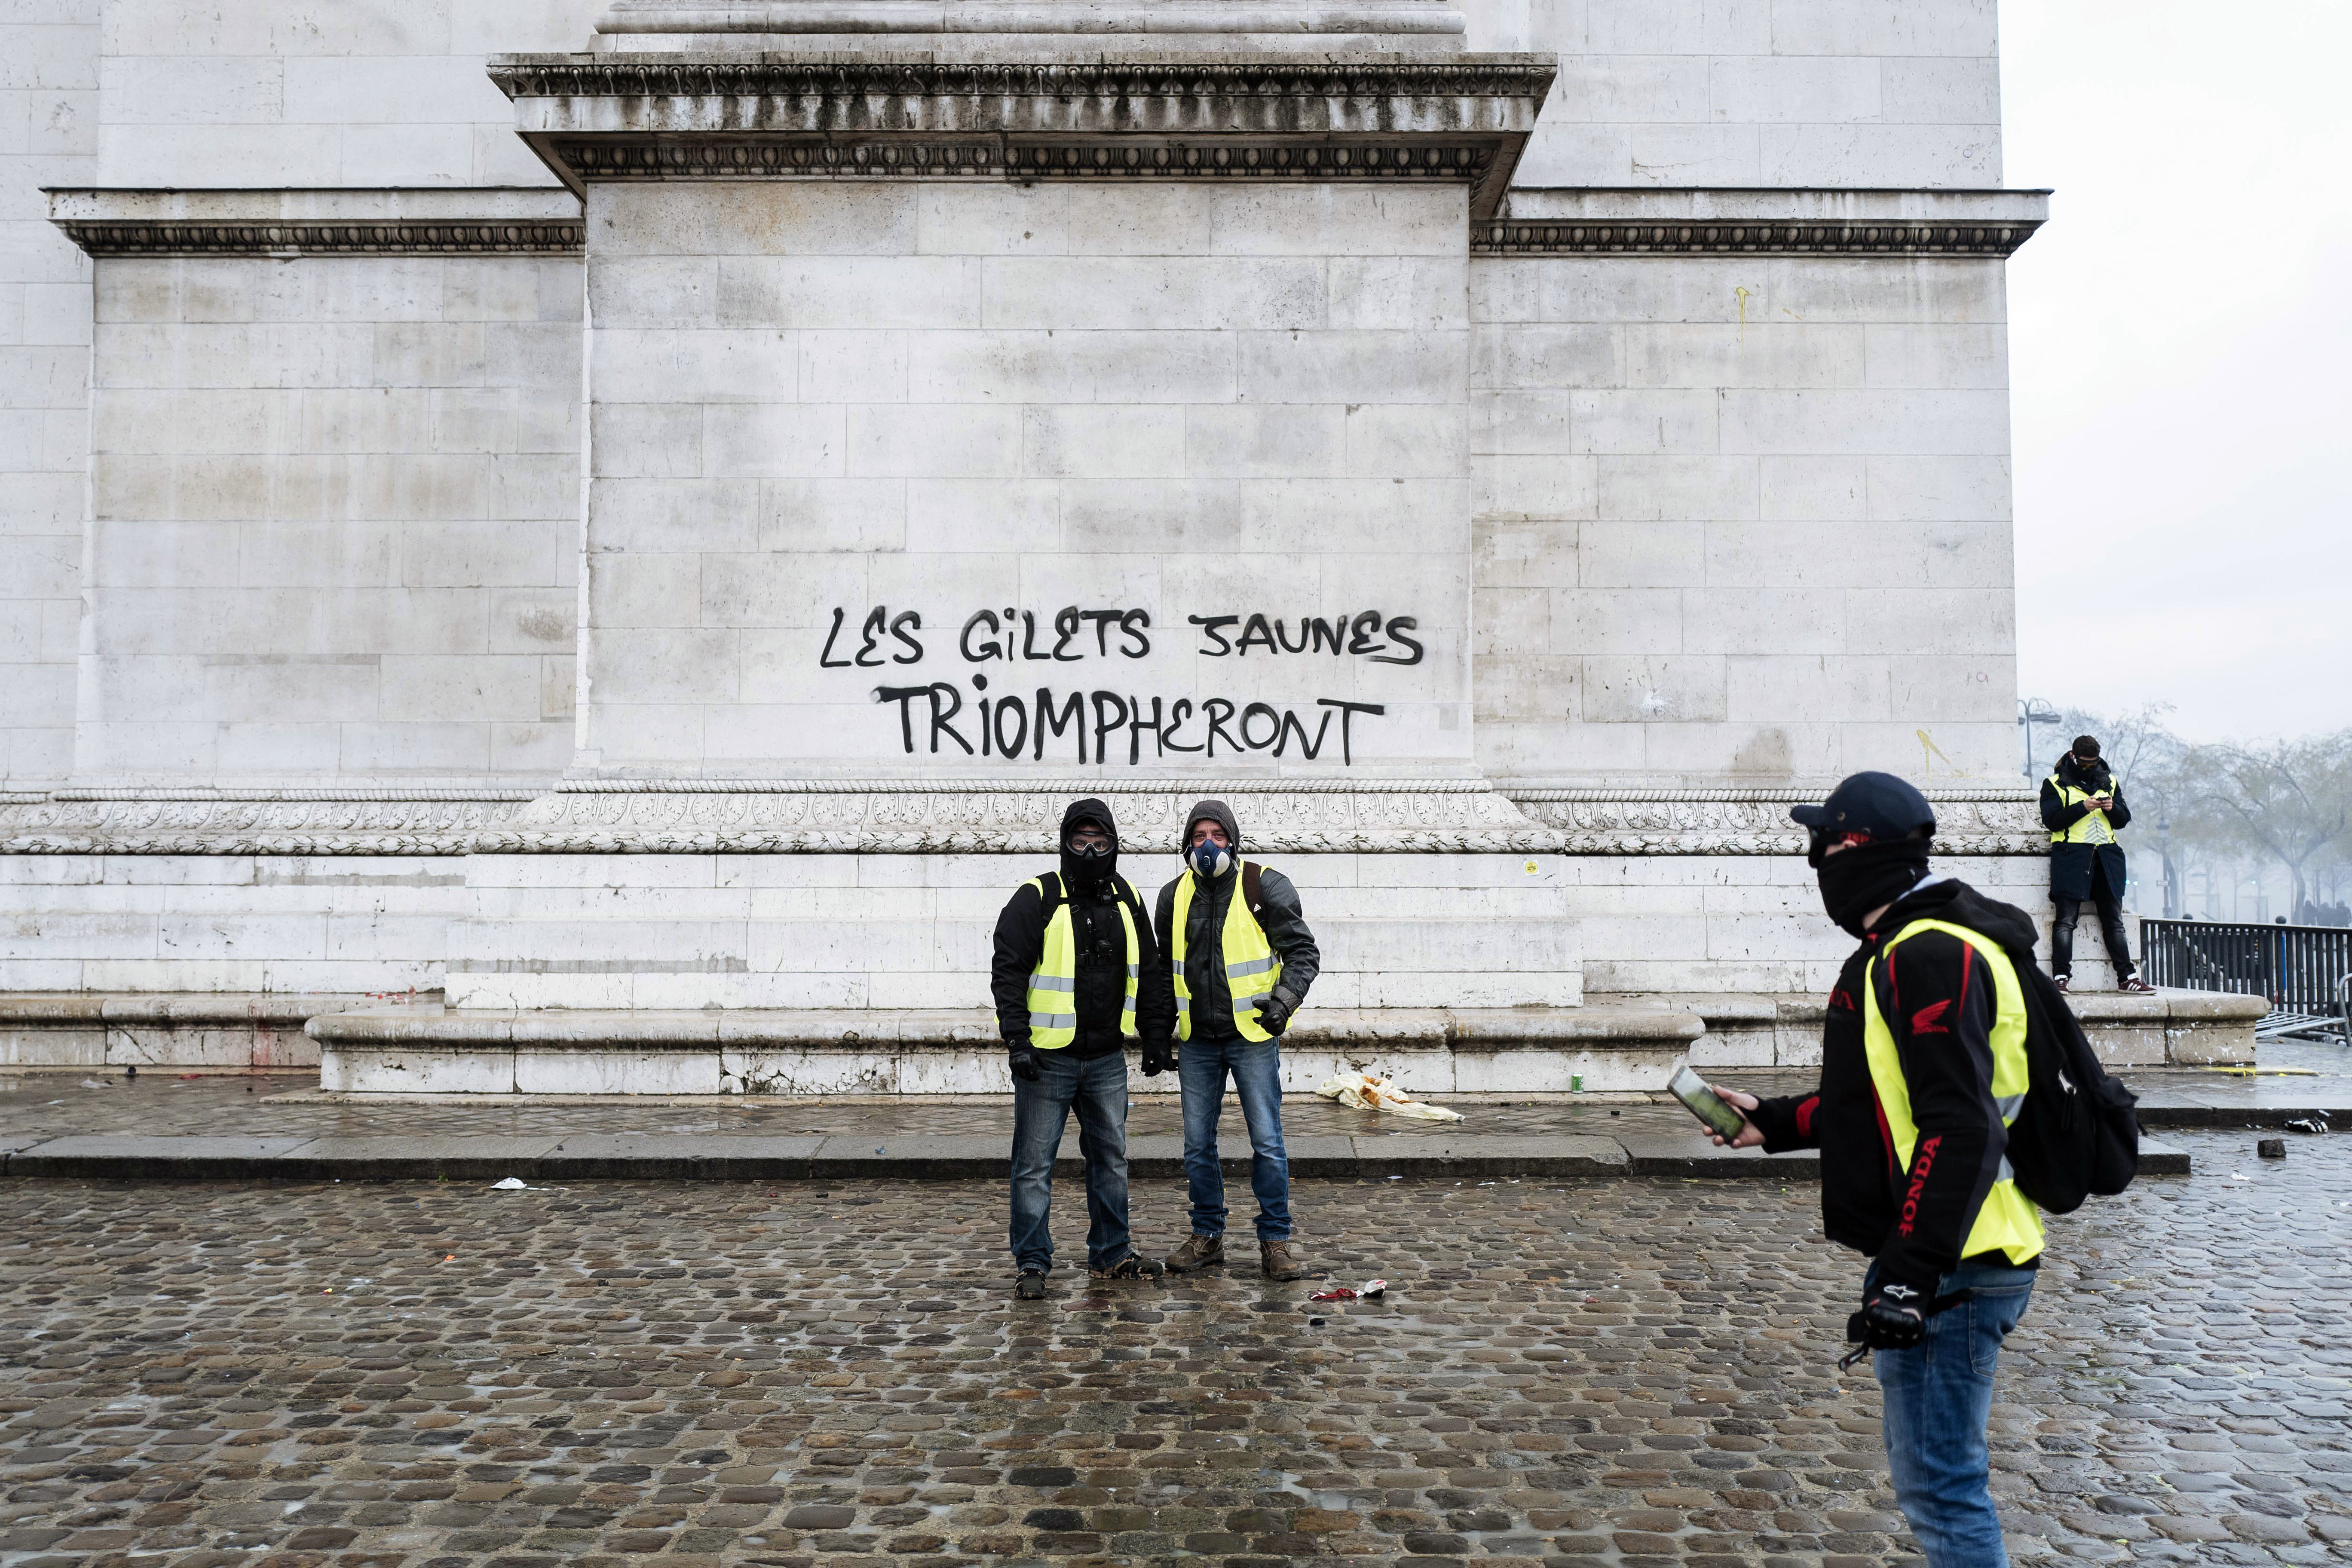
2301 969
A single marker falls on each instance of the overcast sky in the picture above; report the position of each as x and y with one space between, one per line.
2180 346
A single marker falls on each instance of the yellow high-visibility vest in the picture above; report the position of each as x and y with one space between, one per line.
1251 967
2091 827
1053 984
2008 1219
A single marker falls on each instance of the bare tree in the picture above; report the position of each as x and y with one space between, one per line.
2290 801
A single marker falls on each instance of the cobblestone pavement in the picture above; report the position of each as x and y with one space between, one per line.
1635 1374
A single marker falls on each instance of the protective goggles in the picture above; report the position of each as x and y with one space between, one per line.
1819 839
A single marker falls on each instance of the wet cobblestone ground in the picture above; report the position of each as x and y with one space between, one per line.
1633 1372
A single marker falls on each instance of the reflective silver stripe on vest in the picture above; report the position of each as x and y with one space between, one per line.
1134 970
1052 983
1183 1004
1249 966
2005 1174
2009 1105
1053 1020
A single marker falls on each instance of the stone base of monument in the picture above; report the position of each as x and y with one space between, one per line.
2164 1028
444 1050
178 1032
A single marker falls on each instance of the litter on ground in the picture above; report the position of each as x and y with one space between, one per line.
1362 1091
1371 1290
511 1184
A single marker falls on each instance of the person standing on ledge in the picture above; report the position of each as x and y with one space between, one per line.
1923 1070
1237 952
2083 806
1076 976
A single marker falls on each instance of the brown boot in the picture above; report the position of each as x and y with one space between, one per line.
1275 1261
1198 1252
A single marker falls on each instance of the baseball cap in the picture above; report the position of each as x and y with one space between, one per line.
1880 804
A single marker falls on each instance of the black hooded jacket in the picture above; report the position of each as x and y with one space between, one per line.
2075 868
1938 1000
1094 890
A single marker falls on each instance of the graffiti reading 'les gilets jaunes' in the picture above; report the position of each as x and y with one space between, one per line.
1013 636
1011 726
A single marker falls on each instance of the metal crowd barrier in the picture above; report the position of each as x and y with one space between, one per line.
2305 972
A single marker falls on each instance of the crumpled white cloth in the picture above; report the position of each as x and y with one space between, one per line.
1362 1091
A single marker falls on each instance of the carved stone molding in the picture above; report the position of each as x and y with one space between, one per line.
258 822
523 239
163 238
646 116
1755 821
1635 237
956 816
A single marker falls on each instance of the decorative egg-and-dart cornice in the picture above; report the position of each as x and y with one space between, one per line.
1463 118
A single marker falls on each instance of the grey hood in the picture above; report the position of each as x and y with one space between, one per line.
1218 811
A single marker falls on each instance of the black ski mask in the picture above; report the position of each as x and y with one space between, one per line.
1088 873
1858 881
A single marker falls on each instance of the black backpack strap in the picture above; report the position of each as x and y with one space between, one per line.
1051 883
1253 887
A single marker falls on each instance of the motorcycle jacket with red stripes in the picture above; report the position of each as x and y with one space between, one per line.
1938 1000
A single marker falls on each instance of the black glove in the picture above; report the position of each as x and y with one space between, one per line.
1274 1011
1025 1066
1158 1056
1894 1318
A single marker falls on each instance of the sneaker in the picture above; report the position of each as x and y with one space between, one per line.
1030 1286
1134 1266
1275 1261
2066 985
1198 1252
2133 982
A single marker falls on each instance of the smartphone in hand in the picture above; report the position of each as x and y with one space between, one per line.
1717 1114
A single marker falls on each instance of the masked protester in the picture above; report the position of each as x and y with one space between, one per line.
1239 958
1076 975
1923 1070
2083 806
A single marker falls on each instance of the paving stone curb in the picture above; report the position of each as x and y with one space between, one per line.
603 1156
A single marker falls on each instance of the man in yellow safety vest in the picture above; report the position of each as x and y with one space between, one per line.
1923 1070
2083 806
1239 959
1075 977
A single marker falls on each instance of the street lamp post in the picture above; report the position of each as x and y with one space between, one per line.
2164 855
2033 710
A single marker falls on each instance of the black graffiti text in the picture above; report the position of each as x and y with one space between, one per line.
1368 633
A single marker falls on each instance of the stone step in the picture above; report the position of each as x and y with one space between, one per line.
438 1049
603 1156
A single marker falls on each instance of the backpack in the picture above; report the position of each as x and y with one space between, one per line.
2078 1131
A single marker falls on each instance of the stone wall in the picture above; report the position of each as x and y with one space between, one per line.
1742 519
960 407
1854 93
48 136
267 94
336 511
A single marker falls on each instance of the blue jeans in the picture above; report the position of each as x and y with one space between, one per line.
1202 1069
1040 1112
1938 1395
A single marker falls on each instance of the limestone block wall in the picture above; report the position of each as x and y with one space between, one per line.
291 92
1746 519
656 930
48 136
226 922
335 512
1857 93
816 402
